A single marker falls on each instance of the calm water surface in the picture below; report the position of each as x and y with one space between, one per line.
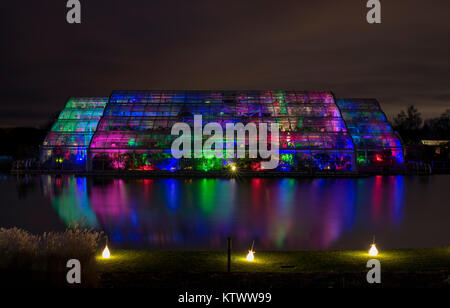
279 214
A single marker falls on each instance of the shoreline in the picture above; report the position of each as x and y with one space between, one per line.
213 174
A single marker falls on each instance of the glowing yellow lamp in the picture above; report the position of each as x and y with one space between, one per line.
233 168
373 251
250 256
106 254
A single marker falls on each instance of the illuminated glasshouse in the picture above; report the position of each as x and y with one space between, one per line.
65 146
133 131
376 143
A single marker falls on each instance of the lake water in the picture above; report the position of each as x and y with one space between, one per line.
278 214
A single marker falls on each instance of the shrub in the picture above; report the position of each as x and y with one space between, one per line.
17 241
44 257
76 242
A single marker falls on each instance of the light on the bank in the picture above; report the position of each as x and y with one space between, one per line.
373 251
106 254
233 168
250 256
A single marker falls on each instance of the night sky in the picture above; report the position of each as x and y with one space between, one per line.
292 45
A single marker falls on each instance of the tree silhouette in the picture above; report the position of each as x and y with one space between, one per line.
409 124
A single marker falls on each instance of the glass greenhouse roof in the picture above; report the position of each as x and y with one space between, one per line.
77 123
370 129
367 124
143 119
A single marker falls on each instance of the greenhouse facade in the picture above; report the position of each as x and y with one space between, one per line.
132 131
376 143
65 146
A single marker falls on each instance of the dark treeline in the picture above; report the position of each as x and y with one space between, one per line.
21 142
412 128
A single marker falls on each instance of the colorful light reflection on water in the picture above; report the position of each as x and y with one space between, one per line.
278 214
199 213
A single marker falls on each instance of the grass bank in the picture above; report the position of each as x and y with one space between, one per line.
206 269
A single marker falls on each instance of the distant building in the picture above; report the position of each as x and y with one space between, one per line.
435 142
439 147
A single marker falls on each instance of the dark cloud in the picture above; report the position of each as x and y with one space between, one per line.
223 45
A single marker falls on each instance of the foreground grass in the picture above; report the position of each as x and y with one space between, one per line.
413 267
432 259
